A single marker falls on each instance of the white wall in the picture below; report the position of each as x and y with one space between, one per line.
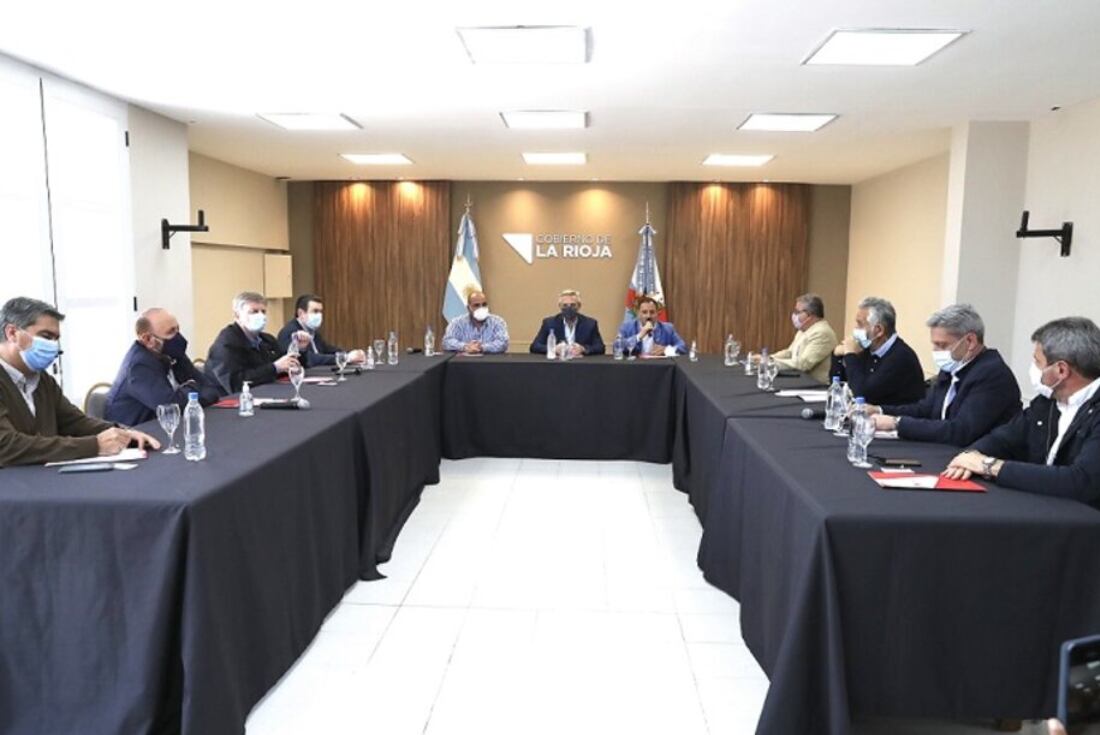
896 247
159 184
1063 184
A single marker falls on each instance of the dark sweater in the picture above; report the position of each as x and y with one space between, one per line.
986 396
1025 441
895 378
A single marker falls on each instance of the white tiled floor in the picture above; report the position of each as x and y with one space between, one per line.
530 597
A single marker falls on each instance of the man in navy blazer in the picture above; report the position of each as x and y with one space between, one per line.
875 362
580 332
309 314
154 372
974 392
1053 447
647 336
243 351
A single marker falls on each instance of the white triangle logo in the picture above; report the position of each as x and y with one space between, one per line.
523 243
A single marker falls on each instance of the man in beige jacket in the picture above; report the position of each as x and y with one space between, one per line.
814 341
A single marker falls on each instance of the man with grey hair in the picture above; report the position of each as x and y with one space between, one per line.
1053 447
243 352
37 423
973 393
814 340
579 333
875 361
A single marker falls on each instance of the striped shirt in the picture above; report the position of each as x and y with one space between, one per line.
492 333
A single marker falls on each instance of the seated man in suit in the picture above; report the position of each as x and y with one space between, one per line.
477 331
243 351
156 371
1053 447
647 336
974 392
304 328
814 342
581 333
37 423
875 361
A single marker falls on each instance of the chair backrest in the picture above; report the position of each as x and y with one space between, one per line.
95 402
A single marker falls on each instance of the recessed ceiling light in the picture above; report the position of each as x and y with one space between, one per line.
786 122
377 159
525 44
737 159
882 46
310 120
545 119
555 159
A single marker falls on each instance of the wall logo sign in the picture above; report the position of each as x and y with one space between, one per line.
530 246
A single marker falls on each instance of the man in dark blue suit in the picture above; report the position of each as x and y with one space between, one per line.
974 392
309 314
155 371
875 361
581 333
1053 447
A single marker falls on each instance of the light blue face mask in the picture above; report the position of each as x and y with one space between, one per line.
41 354
860 335
314 320
256 321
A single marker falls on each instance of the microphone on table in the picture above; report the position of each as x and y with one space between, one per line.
813 414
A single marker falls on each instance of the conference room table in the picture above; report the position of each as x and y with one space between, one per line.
859 601
170 598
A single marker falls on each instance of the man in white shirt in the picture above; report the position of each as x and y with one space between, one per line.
1053 447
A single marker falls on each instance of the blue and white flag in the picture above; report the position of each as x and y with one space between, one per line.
465 274
645 280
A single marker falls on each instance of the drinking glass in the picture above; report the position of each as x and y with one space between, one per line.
379 348
296 375
863 431
168 416
773 372
736 351
341 363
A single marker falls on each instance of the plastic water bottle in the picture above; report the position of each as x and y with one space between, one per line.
834 404
429 342
370 359
617 348
246 404
859 414
194 430
763 380
551 347
730 353
391 349
693 353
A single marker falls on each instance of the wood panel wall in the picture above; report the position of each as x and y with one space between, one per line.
382 252
735 258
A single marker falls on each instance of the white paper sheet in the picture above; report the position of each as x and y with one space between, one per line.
126 455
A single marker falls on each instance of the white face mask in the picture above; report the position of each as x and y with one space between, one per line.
796 320
943 359
1035 373
860 335
481 313
255 322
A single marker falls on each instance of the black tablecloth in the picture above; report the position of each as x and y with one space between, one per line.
171 597
863 601
528 406
707 393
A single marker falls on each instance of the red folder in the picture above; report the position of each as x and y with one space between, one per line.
942 483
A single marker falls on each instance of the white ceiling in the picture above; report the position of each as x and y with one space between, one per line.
667 84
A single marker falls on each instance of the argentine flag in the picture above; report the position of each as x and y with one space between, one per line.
464 271
646 280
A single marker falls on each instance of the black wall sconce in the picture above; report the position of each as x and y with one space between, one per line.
167 230
1063 236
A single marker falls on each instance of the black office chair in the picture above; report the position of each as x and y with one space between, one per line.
95 402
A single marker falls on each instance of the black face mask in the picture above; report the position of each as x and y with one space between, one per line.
569 311
175 348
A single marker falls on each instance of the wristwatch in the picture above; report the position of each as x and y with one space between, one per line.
987 467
